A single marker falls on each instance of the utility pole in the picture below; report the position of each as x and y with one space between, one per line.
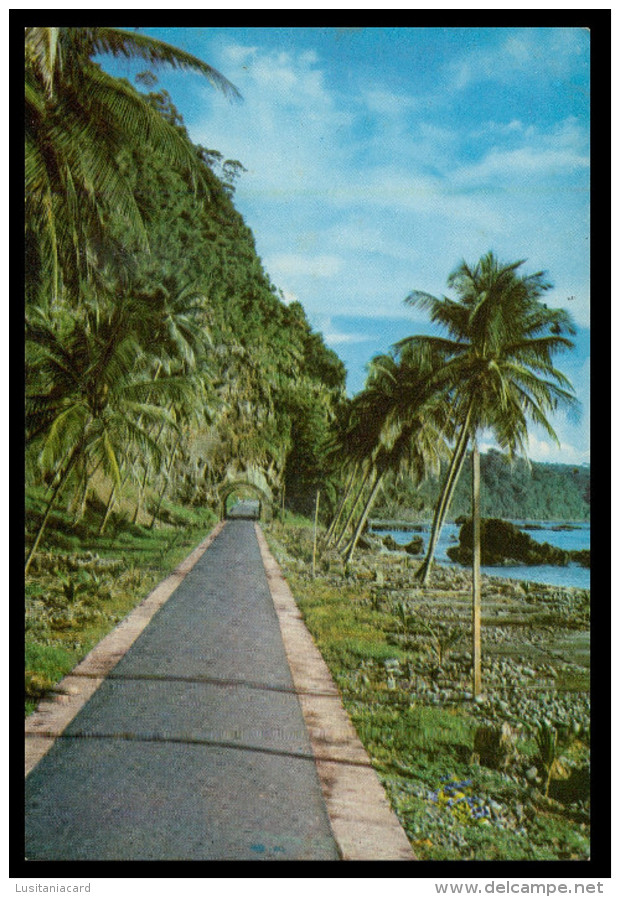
475 501
316 520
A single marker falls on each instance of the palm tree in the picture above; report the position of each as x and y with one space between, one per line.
77 120
353 435
193 407
91 398
331 530
413 418
499 371
174 328
499 376
359 441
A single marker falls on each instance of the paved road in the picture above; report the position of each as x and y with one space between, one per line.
194 748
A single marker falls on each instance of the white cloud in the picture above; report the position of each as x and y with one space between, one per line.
498 130
280 72
520 55
291 264
528 154
387 103
355 233
288 296
235 54
548 452
296 137
336 338
289 131
545 451
395 189
509 165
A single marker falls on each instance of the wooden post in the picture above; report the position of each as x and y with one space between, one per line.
316 520
475 500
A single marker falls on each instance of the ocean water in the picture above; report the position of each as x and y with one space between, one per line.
570 540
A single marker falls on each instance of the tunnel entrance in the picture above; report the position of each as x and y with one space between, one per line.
244 509
242 500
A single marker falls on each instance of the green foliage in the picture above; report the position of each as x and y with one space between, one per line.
398 423
276 383
159 354
79 120
497 372
513 491
442 638
45 665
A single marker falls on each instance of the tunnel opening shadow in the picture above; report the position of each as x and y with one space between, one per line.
244 510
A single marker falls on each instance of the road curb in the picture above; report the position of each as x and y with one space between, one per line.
364 825
54 714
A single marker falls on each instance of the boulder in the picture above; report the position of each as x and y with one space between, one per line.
581 557
416 546
504 544
391 544
494 746
367 543
531 775
570 785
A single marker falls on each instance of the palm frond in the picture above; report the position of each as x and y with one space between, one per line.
133 45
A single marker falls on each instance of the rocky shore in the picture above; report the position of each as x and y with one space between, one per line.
503 544
535 673
535 663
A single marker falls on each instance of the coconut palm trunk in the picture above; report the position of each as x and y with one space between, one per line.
476 609
316 523
363 518
142 485
502 339
112 501
166 483
57 490
443 504
81 495
341 506
108 510
141 489
351 515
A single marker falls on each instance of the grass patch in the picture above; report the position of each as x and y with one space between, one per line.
573 680
45 666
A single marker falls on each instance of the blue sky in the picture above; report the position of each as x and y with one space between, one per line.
378 158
